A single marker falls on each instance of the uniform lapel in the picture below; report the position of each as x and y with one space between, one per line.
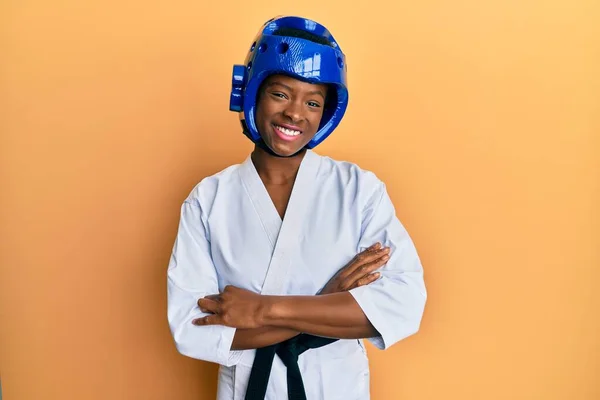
283 235
267 213
290 229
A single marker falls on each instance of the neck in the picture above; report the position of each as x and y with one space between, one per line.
276 170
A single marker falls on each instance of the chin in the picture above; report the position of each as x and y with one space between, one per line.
284 150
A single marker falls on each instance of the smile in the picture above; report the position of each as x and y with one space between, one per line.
286 133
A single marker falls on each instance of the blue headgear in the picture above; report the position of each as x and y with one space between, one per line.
299 58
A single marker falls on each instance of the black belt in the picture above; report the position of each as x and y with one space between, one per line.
288 352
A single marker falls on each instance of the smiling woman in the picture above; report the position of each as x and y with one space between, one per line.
280 297
480 116
289 113
307 54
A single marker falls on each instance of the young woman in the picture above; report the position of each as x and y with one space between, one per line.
284 263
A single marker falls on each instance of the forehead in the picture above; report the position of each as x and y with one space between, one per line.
295 84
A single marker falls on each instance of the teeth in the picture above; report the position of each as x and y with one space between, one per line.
288 132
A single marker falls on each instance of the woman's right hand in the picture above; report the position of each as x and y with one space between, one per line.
359 271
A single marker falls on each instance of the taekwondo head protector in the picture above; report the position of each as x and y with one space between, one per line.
275 51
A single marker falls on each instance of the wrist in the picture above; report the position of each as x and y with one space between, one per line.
274 310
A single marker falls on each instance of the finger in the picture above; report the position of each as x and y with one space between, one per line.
204 310
208 320
368 250
214 297
363 259
365 280
376 246
209 305
366 269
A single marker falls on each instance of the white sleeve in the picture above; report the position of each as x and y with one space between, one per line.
395 302
191 275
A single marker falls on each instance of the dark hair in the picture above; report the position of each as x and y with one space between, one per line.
298 33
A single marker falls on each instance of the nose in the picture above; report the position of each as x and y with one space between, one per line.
293 111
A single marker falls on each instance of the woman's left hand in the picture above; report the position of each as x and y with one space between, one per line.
234 307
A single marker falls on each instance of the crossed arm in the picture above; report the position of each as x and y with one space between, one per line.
265 320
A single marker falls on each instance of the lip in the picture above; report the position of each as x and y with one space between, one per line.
286 137
292 127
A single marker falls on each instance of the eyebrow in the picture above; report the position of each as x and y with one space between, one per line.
276 83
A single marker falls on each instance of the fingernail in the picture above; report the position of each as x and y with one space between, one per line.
386 257
196 322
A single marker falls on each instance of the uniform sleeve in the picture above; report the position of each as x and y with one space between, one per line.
191 275
394 304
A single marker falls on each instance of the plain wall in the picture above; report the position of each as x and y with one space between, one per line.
481 117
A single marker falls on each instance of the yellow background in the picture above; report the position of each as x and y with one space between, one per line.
481 116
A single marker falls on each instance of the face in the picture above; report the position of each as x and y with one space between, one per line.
289 112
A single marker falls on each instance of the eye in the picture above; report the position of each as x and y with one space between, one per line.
314 104
279 95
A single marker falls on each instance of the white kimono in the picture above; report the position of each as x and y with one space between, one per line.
231 234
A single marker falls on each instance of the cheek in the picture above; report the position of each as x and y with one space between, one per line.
261 107
315 120
263 111
261 121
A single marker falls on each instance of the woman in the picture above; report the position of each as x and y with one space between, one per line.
285 263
